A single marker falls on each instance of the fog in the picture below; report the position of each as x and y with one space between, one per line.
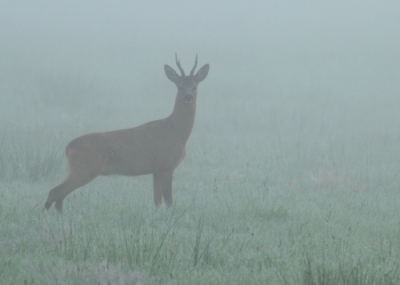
293 158
277 67
262 50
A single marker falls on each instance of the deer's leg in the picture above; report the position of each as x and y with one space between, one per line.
157 191
72 182
166 186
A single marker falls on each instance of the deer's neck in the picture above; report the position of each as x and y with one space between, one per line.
182 119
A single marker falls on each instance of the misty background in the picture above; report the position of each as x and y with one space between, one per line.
311 80
292 169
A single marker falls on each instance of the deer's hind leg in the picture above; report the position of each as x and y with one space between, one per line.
58 193
85 164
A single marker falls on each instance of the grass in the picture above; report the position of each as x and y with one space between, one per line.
263 197
231 227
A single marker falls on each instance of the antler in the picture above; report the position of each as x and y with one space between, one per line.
194 67
178 63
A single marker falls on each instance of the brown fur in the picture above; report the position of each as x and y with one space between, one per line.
157 147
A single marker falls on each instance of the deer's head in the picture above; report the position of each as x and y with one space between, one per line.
187 85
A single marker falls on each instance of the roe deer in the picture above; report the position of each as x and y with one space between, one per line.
154 148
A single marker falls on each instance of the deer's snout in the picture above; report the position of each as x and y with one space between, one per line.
188 98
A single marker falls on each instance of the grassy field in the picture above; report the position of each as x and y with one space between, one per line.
292 172
285 186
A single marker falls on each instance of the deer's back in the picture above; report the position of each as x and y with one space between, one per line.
146 149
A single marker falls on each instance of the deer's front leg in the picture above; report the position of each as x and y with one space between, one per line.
157 191
166 186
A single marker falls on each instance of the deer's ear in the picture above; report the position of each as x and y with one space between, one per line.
171 73
202 73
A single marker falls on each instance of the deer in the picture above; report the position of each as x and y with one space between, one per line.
156 148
